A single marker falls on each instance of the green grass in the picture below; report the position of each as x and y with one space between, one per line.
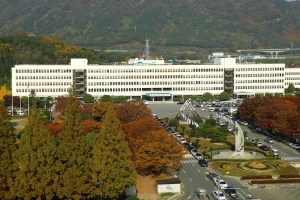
236 171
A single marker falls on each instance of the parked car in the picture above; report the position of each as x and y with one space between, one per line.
20 112
295 145
212 176
231 191
273 152
258 144
269 140
194 151
217 194
203 163
198 156
180 102
264 147
221 183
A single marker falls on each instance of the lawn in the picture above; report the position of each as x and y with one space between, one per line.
19 122
236 171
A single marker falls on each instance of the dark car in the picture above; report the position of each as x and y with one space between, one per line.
180 102
202 163
231 191
212 176
189 148
264 147
186 144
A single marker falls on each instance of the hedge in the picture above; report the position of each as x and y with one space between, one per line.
275 181
246 160
257 177
289 176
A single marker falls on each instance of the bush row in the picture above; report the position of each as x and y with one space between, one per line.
257 177
275 181
289 176
244 160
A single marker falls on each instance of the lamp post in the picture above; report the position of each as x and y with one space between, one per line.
101 183
50 103
28 102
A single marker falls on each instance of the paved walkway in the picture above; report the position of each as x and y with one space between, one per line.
146 188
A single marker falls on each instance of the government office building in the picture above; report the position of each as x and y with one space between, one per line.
153 79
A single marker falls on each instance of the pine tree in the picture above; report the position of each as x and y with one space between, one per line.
112 168
35 159
74 154
7 148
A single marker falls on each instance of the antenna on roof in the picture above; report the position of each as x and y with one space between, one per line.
147 50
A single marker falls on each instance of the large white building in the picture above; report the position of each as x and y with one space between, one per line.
157 81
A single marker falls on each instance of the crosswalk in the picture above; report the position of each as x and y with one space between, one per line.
189 161
290 158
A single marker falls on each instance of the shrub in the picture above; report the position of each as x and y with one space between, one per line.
226 166
132 198
173 123
282 165
257 177
289 176
276 181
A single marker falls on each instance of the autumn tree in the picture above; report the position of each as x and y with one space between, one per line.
7 148
36 160
54 128
111 163
279 115
132 110
73 155
145 136
91 125
100 108
4 91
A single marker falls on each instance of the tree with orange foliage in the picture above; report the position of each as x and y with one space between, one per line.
132 110
91 125
86 108
61 102
153 149
248 107
54 128
279 115
100 109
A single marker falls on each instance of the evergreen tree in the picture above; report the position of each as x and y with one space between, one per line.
35 160
7 148
74 154
112 168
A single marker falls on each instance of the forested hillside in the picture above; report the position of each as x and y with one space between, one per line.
22 49
114 24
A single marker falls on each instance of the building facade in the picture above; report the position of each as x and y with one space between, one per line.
159 81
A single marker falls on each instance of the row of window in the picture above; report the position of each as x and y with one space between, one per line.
260 75
294 83
43 89
156 76
42 77
260 69
260 87
292 78
157 83
124 70
43 71
43 83
292 73
153 89
261 81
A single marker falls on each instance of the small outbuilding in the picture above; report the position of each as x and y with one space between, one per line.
168 185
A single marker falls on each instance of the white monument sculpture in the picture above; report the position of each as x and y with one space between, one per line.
239 141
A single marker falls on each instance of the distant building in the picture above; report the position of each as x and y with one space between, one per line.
153 79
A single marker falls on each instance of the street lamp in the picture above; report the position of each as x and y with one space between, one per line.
50 102
101 183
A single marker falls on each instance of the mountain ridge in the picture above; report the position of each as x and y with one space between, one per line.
103 24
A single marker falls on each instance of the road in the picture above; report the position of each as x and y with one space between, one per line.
194 177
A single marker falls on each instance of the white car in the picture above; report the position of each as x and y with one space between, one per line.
295 146
202 109
198 156
221 182
258 144
194 151
217 194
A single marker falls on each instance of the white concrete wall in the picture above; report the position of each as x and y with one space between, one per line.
175 188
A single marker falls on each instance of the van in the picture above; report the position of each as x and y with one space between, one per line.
274 152
20 112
